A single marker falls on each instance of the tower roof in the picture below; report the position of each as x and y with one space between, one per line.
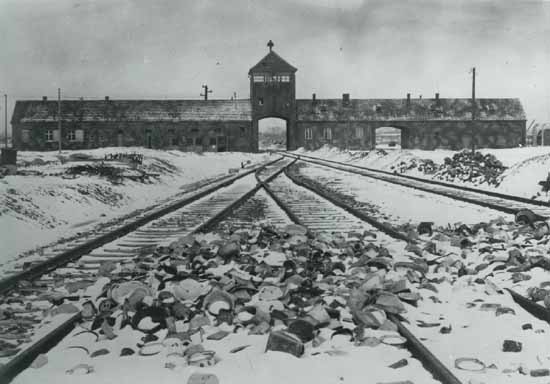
272 63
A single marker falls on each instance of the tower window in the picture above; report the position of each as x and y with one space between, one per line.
260 101
309 133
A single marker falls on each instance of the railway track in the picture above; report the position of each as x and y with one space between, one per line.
501 202
65 253
199 212
268 194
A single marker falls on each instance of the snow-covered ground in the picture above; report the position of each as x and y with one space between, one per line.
388 201
525 166
44 204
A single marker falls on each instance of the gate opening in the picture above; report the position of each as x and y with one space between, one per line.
272 134
388 138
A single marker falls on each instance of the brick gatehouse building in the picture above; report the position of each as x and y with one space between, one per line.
232 125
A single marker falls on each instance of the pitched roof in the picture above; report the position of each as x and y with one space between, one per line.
419 109
272 63
133 110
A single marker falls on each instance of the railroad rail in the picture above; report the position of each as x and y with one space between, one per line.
498 201
197 213
233 203
528 305
90 244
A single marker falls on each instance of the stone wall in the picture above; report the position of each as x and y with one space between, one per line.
187 135
428 135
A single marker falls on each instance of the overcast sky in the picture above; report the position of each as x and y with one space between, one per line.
371 48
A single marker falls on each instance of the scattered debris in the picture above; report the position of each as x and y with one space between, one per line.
464 166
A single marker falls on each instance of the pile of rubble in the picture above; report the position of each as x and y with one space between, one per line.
464 166
114 174
471 167
296 289
425 166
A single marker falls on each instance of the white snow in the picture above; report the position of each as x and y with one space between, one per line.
399 204
527 165
36 210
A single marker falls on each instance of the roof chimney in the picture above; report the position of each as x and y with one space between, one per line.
345 98
313 99
106 98
44 98
437 96
408 100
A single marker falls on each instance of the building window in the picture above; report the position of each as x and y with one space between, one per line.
242 131
190 142
359 132
212 141
327 133
260 101
25 136
49 135
198 141
309 134
285 78
71 135
258 79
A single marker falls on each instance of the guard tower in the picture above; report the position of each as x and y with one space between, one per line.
273 93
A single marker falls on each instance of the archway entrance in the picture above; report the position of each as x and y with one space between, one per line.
388 138
272 134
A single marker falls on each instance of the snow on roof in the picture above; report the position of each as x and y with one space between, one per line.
133 110
397 109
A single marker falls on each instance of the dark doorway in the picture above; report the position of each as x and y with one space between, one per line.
272 134
222 143
120 139
149 140
388 138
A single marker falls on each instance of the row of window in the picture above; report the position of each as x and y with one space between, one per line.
78 134
327 133
271 78
53 135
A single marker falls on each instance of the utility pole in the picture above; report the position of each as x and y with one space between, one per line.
6 120
206 92
473 108
59 116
